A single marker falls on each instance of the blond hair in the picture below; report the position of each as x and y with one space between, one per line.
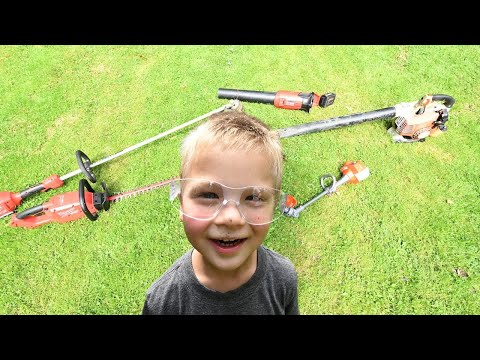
235 131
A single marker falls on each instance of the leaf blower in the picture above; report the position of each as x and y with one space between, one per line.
282 99
413 122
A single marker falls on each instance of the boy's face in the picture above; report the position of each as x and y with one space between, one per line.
233 169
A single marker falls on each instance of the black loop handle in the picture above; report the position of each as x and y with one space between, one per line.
447 99
81 195
32 211
105 201
85 165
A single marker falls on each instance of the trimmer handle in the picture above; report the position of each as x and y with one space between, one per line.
9 200
29 212
52 182
65 207
84 164
98 200
81 196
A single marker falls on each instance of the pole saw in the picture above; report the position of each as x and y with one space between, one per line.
74 205
9 200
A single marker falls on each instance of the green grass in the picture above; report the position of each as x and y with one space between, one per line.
388 245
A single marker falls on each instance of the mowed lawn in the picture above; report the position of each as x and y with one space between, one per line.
404 241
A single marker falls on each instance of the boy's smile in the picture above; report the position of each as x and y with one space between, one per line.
226 245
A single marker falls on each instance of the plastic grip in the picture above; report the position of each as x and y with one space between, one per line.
447 99
32 211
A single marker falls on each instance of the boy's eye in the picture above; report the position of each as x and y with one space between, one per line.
208 195
254 197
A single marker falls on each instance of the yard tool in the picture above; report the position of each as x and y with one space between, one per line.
282 99
75 205
414 121
353 172
9 200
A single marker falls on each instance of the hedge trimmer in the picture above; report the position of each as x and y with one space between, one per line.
74 205
9 200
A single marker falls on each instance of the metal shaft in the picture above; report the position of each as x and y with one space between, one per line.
337 122
247 95
329 190
231 104
295 212
302 207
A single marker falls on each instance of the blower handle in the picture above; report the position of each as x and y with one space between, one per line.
447 99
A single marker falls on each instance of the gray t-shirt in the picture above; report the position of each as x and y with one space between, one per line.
272 290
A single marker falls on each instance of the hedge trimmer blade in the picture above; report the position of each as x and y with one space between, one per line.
6 214
131 193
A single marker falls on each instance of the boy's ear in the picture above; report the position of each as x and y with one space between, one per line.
181 212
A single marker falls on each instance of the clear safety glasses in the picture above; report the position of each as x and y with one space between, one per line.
203 199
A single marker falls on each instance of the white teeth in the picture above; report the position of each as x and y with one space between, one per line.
229 242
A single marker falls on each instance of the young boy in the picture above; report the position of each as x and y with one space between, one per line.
228 196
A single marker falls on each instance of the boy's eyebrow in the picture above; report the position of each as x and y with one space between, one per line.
230 187
212 182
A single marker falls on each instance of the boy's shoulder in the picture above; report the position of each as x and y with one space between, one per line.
174 274
278 263
276 257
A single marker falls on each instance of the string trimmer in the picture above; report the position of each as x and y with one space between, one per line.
413 122
74 205
353 172
9 200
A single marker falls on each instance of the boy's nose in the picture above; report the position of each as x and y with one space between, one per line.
230 214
